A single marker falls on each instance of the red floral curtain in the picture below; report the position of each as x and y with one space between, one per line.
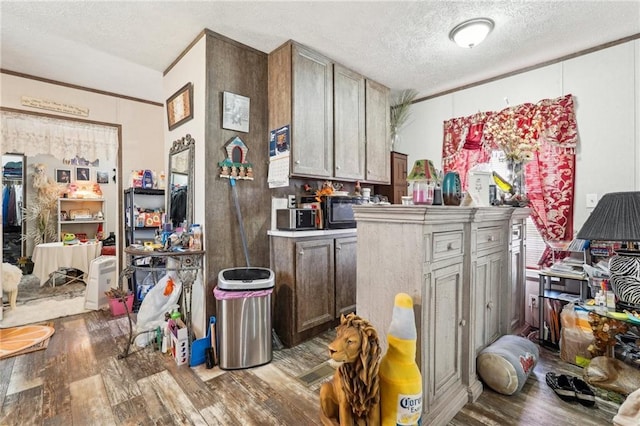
549 129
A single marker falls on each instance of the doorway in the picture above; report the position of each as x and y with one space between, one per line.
13 204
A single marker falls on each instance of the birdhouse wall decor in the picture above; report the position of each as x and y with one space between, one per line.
236 165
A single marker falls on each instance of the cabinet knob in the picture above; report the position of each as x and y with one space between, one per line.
462 322
297 161
301 252
491 238
337 167
338 247
490 305
450 246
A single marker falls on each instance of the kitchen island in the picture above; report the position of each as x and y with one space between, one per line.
454 262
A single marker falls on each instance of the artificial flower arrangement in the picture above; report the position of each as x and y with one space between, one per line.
515 134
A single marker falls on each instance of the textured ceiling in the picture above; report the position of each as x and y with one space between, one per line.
124 47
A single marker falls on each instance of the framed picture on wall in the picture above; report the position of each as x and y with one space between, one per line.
102 177
180 106
63 175
235 112
83 174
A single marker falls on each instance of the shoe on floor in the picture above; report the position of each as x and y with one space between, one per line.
584 394
561 385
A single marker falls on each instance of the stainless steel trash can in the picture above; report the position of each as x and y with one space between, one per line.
243 301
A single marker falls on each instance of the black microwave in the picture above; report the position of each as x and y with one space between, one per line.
337 211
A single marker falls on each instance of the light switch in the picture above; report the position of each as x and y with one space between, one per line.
592 200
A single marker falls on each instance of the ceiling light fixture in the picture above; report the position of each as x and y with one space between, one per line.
472 32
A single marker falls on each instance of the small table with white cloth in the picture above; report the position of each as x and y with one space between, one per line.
50 257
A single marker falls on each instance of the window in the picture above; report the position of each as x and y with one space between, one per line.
535 244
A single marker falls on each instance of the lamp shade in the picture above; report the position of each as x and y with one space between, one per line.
616 217
422 170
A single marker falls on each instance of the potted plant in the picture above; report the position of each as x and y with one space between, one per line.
400 113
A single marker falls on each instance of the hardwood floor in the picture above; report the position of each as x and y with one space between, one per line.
78 380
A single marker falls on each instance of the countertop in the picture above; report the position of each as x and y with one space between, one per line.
314 233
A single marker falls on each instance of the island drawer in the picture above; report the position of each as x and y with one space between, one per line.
447 244
490 237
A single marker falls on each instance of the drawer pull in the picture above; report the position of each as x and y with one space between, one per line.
491 238
490 305
450 246
463 322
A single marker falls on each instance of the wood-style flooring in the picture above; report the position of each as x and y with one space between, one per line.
79 380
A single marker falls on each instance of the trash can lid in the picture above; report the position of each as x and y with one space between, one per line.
245 279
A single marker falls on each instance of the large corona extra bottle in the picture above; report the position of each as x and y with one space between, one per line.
400 378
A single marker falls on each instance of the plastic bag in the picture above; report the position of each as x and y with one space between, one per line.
576 336
154 306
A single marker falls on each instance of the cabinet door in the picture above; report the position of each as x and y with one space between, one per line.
346 275
445 334
315 290
518 277
312 118
488 284
348 120
377 129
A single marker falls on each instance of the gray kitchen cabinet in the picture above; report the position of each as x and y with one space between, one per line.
339 120
300 87
378 168
518 269
349 123
345 262
315 283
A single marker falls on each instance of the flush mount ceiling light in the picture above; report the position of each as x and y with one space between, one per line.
472 32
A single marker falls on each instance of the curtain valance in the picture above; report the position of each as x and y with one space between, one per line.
64 139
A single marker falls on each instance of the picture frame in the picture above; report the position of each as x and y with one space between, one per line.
102 177
83 174
235 112
63 175
180 106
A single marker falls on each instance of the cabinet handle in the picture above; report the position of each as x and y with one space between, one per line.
338 247
450 246
491 238
490 305
301 252
297 161
337 167
462 322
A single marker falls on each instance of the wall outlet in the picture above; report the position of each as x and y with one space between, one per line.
532 301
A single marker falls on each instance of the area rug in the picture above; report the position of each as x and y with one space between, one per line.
23 339
29 289
42 310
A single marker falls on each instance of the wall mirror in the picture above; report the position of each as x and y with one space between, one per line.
180 193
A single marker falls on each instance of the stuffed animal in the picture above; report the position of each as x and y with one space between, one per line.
629 411
352 397
11 277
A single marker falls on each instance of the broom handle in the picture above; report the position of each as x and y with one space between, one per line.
240 222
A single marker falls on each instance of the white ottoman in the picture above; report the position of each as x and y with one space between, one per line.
505 365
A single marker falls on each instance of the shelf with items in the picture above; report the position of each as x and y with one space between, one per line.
556 289
81 216
144 214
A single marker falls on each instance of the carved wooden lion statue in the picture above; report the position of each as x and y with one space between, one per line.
352 397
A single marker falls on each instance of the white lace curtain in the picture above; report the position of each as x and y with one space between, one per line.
63 139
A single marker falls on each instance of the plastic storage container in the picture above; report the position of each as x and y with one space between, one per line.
243 301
